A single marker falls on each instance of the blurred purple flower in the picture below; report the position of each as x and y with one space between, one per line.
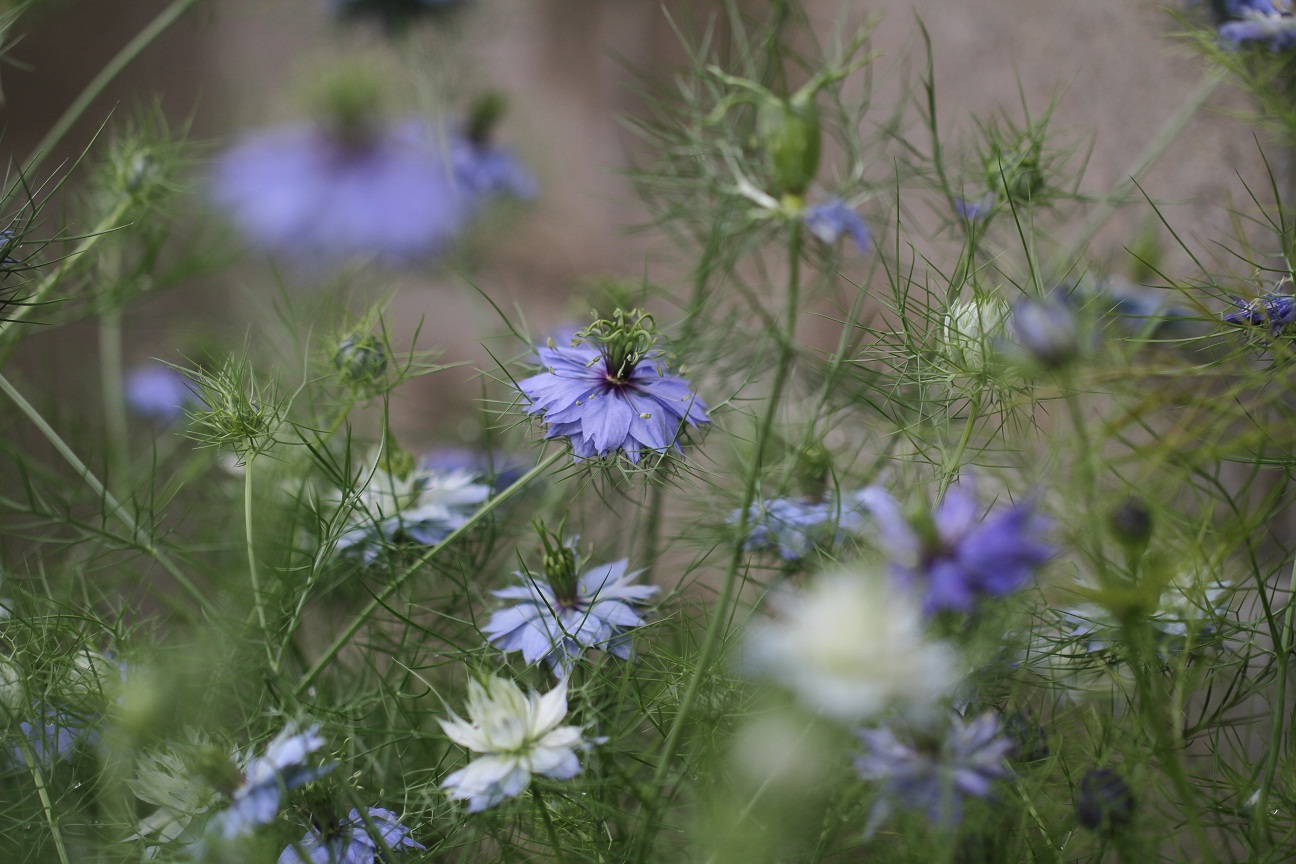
832 219
976 209
795 527
54 738
934 776
1260 21
266 779
493 466
158 392
1274 310
560 616
349 842
952 556
397 194
603 410
1047 329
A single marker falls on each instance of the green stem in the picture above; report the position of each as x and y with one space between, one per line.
729 588
550 830
143 540
47 805
1278 722
258 597
132 49
400 579
110 379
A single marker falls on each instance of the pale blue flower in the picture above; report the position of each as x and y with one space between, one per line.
795 527
1047 329
832 219
1260 21
603 410
266 779
956 555
349 841
557 618
158 392
54 737
1274 310
933 775
975 209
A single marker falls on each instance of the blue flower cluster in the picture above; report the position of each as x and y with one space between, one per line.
795 527
1264 21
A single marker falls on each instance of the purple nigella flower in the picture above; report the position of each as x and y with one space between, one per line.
283 768
55 737
975 209
396 193
953 557
1047 329
1260 21
349 842
1273 310
558 617
795 527
612 398
158 392
831 219
934 776
499 470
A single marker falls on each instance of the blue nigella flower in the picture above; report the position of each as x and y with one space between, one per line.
53 738
832 219
1259 21
399 193
1104 801
954 556
1274 310
493 467
974 209
349 841
157 392
559 616
1047 329
612 396
795 527
256 801
934 776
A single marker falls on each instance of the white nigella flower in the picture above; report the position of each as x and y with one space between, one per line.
850 645
166 779
558 617
518 734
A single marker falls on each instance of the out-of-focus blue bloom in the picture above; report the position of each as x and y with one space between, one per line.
157 392
955 556
400 193
349 842
606 401
52 739
423 506
832 219
267 779
796 526
498 470
1263 21
1274 310
558 617
1047 329
1105 800
8 243
975 209
934 776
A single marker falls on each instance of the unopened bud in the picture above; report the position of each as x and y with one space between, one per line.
789 134
1104 801
361 359
1131 522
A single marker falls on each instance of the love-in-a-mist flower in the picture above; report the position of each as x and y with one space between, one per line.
267 779
1275 311
795 527
831 220
158 392
403 502
568 610
54 737
350 841
517 734
610 392
1047 328
933 773
1263 21
850 646
324 193
181 796
956 555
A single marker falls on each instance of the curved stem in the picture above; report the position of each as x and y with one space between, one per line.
401 578
729 588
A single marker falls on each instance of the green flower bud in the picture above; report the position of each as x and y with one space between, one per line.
1013 170
361 359
789 134
558 561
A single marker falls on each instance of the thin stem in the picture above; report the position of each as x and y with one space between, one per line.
46 804
728 590
142 539
400 579
1279 719
110 379
258 597
132 49
550 830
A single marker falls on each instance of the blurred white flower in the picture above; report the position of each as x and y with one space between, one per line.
850 645
518 734
972 329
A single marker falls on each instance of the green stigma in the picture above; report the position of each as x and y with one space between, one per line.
625 340
558 560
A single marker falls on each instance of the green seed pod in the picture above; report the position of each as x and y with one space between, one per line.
789 133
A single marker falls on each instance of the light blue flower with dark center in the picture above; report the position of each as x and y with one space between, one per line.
934 775
830 220
611 392
558 617
267 779
795 527
1274 310
956 556
158 392
400 193
349 841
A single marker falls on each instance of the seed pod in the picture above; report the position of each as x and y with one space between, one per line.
789 133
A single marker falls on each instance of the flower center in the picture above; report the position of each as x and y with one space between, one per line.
624 340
